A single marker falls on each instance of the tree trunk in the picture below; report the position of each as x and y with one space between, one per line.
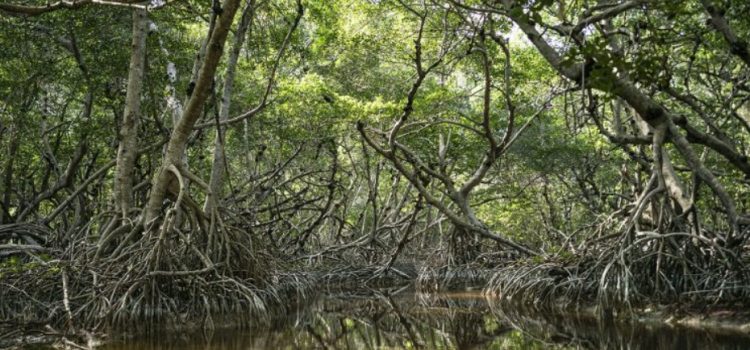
656 115
5 215
465 246
126 151
218 165
179 137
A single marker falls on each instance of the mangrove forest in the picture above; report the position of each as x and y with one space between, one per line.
378 174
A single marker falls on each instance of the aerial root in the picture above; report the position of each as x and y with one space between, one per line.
669 268
143 279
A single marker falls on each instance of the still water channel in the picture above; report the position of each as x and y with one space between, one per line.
402 319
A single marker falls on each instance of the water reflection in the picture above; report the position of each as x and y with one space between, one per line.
400 319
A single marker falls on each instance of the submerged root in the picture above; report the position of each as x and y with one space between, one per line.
447 277
159 279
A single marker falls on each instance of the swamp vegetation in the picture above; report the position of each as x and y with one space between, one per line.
205 165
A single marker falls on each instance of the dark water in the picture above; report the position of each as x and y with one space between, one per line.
406 320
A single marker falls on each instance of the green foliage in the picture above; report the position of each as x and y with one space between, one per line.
14 266
354 61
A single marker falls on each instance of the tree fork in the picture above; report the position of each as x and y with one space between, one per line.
179 137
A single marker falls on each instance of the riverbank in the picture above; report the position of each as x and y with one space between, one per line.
403 318
450 287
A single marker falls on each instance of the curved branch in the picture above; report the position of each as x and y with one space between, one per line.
30 11
737 46
271 78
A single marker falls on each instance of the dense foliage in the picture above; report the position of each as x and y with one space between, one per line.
174 159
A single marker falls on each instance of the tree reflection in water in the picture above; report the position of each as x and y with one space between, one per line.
402 319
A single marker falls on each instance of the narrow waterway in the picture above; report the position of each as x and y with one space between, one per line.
402 319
